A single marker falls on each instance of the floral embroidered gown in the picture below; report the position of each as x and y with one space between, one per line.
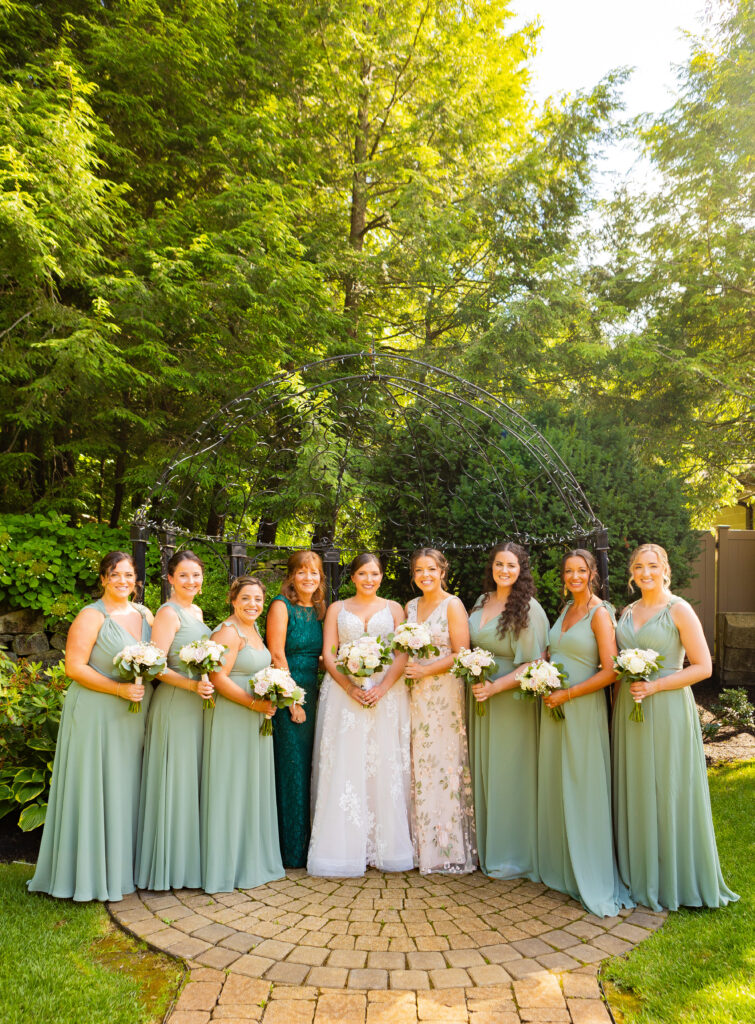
89 836
167 854
665 843
238 818
442 811
293 742
361 778
574 836
503 753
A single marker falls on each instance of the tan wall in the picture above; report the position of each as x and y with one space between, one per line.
701 591
736 570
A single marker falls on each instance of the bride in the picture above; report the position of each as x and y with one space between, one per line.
361 774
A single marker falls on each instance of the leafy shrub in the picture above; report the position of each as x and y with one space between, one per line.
734 709
31 702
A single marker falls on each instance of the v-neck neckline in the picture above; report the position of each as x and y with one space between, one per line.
636 629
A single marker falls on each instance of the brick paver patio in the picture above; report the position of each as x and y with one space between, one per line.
385 949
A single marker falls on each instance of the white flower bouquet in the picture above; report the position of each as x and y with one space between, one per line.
201 657
278 686
364 657
633 664
537 680
474 666
416 640
140 662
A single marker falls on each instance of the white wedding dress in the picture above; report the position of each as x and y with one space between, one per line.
361 772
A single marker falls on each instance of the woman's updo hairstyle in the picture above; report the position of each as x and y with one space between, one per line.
516 614
363 559
660 554
245 581
183 556
437 556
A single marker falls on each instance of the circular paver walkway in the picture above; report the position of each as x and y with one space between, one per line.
411 947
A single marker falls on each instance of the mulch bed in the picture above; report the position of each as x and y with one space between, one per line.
18 845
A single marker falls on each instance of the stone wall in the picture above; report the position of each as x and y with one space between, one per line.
736 649
23 635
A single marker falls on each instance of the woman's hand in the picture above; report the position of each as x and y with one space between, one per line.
416 671
644 688
356 693
133 692
265 708
205 689
556 698
482 691
298 714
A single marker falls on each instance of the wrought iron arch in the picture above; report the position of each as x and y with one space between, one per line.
290 464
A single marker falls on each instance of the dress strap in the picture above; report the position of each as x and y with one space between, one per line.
238 630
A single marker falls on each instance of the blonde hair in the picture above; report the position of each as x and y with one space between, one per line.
295 562
662 557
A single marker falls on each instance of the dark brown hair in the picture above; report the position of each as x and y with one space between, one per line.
244 581
183 556
437 556
516 614
112 558
589 559
288 589
363 559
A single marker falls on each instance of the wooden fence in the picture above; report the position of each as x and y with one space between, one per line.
723 595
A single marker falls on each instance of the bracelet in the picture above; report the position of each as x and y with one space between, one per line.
569 692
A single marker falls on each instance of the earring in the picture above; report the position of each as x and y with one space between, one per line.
566 592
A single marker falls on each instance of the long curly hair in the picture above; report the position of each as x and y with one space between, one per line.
516 613
295 562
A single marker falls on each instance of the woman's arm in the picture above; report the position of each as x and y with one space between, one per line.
458 633
605 635
275 635
164 631
329 646
397 666
222 681
696 649
82 637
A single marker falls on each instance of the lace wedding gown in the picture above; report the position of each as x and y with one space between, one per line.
361 772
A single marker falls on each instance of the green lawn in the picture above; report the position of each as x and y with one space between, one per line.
65 963
700 967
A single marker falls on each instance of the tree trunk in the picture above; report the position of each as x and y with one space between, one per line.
358 218
118 487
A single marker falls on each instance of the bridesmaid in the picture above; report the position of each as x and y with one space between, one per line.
294 638
441 808
665 842
508 622
575 835
239 825
167 854
89 836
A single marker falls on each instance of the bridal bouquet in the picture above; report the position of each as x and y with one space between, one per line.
278 686
475 666
203 656
139 662
538 680
634 664
415 639
364 657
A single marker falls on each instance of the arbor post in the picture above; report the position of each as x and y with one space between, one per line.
167 549
601 548
331 560
236 558
139 540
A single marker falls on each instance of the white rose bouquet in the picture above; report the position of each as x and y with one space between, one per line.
474 666
416 640
276 685
537 680
364 657
140 662
633 664
201 657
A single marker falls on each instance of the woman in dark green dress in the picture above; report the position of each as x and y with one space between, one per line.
238 821
89 837
167 854
294 638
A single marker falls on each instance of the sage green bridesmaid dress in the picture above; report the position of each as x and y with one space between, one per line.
239 820
89 837
503 753
167 852
575 833
293 743
665 843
